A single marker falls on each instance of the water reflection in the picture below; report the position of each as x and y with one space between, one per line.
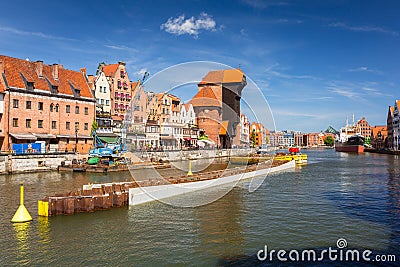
220 225
22 231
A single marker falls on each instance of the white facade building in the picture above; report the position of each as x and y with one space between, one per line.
102 92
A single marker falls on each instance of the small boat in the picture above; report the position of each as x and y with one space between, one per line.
294 154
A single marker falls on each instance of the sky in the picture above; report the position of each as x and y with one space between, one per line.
315 62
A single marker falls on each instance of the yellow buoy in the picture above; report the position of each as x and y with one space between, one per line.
190 169
22 214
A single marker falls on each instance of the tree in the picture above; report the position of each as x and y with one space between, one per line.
329 141
368 140
253 138
94 127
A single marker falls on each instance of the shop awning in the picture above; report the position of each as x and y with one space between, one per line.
73 136
45 136
108 140
23 136
167 138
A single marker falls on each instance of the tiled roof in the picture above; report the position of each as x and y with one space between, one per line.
133 84
224 127
223 76
14 67
110 70
377 129
205 97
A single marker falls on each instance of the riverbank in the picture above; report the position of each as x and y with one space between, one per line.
33 163
389 152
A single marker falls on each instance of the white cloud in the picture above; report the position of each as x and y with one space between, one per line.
121 47
191 26
36 34
140 72
273 71
263 3
362 28
364 69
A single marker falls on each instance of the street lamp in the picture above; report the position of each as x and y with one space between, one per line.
76 138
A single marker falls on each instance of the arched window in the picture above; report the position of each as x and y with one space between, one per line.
57 107
51 107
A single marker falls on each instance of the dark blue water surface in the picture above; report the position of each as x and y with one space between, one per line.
337 195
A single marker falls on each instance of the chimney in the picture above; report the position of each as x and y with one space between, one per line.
83 71
1 67
39 68
55 71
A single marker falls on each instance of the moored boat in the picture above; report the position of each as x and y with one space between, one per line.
350 139
294 154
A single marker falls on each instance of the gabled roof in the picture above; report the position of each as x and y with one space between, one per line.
377 129
110 70
186 106
223 76
134 84
205 97
16 70
224 127
390 111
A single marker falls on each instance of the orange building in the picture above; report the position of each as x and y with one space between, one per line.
47 103
258 131
379 136
222 90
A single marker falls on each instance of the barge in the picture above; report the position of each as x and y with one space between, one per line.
95 197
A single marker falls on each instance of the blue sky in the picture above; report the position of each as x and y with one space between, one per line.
316 62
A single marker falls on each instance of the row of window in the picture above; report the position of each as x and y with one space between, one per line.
103 89
28 124
53 107
102 102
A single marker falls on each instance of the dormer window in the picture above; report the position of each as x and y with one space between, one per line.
30 85
29 82
54 89
76 91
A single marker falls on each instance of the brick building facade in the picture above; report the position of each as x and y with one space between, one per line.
226 87
44 103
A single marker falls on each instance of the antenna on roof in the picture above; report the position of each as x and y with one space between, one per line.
239 66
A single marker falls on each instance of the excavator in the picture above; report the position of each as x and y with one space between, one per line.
101 150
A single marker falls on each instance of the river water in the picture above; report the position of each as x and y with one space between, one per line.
337 195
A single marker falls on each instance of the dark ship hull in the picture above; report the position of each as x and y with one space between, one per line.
354 144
